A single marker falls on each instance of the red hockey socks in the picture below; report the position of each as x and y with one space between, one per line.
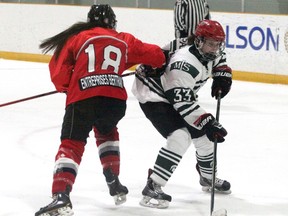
66 166
108 148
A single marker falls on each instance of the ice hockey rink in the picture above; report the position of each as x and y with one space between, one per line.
253 157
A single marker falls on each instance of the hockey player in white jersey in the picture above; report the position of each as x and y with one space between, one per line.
170 103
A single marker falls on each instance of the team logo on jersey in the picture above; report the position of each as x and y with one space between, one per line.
186 67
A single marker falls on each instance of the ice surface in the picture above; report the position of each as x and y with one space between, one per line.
254 157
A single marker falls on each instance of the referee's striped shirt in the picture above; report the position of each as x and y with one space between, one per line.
187 15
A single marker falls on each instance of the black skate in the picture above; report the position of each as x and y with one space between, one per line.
60 206
153 192
221 186
116 189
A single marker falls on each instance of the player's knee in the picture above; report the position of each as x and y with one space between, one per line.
111 135
179 141
72 149
203 145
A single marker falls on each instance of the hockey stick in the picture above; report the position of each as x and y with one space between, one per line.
220 212
128 74
28 98
47 93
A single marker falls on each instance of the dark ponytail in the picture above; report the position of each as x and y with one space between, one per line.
58 41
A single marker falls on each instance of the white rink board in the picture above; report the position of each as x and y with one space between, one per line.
255 43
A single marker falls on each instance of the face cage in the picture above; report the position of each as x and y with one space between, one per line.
199 42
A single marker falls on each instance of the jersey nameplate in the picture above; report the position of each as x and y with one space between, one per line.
101 80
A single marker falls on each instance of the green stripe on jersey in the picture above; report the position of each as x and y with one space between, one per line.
186 67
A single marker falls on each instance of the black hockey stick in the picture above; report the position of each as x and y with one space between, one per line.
221 212
128 74
47 93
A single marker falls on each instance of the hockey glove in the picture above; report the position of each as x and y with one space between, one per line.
222 80
211 127
148 71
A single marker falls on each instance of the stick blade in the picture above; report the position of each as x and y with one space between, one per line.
220 212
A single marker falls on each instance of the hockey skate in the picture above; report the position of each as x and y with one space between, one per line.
153 196
60 206
116 189
221 186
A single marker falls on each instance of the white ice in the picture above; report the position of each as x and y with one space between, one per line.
253 158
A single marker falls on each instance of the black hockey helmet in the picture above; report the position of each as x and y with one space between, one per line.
102 15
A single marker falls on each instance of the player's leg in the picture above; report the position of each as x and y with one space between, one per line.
171 126
204 166
75 129
107 140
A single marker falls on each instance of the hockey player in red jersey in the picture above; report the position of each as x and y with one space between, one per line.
88 61
171 105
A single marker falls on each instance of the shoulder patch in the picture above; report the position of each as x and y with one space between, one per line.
186 67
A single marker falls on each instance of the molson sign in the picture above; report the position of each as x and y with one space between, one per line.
256 38
256 43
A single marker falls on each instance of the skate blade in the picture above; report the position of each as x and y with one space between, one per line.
119 199
220 212
149 202
208 189
64 211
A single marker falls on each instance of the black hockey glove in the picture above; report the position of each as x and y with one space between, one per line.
222 80
148 71
211 127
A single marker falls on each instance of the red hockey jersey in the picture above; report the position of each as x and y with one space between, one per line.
91 63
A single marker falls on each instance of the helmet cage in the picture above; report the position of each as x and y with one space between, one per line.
210 56
209 30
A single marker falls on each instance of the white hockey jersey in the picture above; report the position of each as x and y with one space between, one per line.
184 76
